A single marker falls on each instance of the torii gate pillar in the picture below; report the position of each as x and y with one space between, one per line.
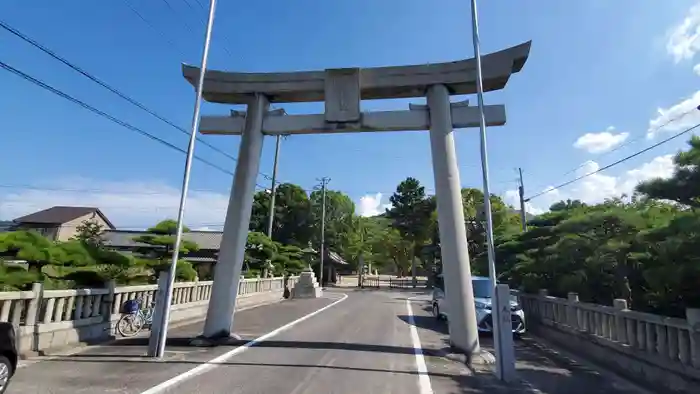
240 204
459 294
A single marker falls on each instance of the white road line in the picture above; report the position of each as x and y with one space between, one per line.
208 365
115 341
423 377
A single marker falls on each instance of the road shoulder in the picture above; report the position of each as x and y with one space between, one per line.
541 370
123 366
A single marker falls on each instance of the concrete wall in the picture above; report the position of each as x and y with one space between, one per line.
661 352
53 319
69 229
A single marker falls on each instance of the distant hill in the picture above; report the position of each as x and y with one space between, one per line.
5 225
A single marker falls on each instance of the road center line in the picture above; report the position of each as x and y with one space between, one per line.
208 365
423 378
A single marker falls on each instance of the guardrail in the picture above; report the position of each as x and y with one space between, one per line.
661 350
48 319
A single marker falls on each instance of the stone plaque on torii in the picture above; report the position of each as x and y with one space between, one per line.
342 91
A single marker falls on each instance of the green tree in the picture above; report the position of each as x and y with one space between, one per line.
259 253
160 242
684 186
340 212
566 205
410 214
292 208
39 252
89 233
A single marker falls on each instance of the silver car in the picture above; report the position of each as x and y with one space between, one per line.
482 299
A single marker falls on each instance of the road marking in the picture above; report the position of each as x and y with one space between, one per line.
82 348
208 365
423 377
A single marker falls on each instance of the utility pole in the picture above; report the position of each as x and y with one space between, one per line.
361 258
521 191
273 189
158 350
324 182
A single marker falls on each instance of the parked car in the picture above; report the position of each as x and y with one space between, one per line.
482 299
8 354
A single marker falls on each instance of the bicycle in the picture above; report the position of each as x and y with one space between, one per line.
135 317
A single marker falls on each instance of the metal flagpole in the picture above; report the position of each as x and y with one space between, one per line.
163 332
485 172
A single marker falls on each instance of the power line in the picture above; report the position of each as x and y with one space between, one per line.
155 29
187 25
617 162
115 191
81 190
657 128
93 78
90 108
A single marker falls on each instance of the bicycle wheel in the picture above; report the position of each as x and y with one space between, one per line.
130 325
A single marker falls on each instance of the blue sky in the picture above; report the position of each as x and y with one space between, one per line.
594 64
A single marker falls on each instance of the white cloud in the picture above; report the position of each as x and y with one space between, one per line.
136 204
696 69
130 204
371 205
684 38
677 117
600 142
597 187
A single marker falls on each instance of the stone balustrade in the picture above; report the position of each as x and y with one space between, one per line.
662 351
52 319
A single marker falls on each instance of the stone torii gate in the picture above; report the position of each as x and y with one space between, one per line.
342 90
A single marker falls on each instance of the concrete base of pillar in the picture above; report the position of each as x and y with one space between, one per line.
482 358
306 286
224 340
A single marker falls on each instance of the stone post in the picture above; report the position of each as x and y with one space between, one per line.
693 317
108 303
542 311
34 305
620 325
572 311
33 314
194 291
157 315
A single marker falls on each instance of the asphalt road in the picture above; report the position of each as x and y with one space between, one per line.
358 346
362 343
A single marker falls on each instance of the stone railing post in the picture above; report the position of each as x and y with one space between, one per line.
108 301
542 310
693 317
620 325
33 312
157 314
34 308
194 290
572 310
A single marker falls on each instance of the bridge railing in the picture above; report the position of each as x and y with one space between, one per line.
47 319
663 350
